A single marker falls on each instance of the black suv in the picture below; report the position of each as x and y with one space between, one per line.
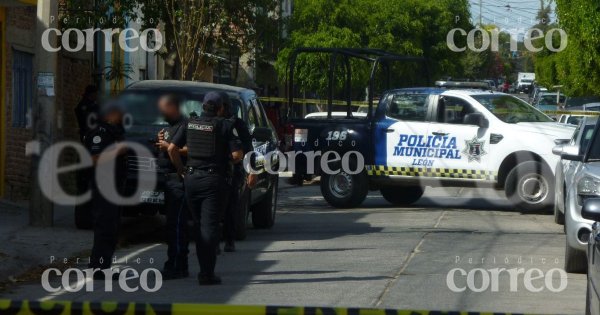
141 100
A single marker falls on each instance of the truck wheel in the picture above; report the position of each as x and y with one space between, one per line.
402 196
529 187
344 190
83 217
263 213
242 216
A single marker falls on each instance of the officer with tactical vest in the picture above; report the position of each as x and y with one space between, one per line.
170 140
239 175
104 144
213 146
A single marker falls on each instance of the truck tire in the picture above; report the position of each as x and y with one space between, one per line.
263 213
529 187
242 216
344 190
402 196
83 217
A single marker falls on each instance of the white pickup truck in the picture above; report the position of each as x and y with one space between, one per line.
436 137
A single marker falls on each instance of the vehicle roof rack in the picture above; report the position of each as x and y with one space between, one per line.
376 57
462 85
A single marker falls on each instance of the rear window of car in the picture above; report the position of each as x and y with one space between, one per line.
408 106
143 106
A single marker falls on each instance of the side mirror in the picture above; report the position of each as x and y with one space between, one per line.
476 119
568 152
591 210
262 134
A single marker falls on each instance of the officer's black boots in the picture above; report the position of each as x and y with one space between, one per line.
208 280
172 272
229 247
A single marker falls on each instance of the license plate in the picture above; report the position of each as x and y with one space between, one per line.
153 197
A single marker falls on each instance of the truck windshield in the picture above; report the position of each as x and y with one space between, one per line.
510 109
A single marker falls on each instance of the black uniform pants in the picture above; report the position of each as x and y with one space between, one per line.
107 219
177 217
232 209
206 192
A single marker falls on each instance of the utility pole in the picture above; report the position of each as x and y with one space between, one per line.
41 209
481 13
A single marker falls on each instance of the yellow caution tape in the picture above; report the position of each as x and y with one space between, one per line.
8 307
302 101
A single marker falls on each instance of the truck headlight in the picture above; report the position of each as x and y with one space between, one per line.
588 187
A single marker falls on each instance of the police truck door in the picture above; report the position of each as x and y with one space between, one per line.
400 130
469 144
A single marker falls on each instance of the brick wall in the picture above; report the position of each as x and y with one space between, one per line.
73 75
20 21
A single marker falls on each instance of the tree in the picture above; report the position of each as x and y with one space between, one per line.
196 29
408 27
577 67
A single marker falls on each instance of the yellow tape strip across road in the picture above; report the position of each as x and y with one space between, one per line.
363 104
8 307
311 101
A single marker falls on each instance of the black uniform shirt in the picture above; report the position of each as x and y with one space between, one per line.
102 137
229 135
86 112
177 135
243 133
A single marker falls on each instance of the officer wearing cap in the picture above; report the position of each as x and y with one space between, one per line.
213 146
239 175
104 145
171 140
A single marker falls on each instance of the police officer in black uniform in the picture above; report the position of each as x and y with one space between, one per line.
170 140
105 147
213 146
86 111
239 175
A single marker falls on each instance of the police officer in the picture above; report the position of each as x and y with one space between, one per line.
239 175
105 147
86 111
212 145
170 140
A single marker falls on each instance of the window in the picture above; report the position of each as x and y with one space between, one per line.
253 121
453 110
262 120
510 109
408 106
22 88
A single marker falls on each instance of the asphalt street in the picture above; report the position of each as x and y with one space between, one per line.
375 256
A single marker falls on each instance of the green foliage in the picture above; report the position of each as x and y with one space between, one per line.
577 68
408 27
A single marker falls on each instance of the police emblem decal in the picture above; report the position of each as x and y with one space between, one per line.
474 149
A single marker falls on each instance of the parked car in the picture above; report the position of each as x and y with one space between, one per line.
535 93
591 211
140 100
574 118
578 178
548 102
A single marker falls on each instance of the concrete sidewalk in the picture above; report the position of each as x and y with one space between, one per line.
23 248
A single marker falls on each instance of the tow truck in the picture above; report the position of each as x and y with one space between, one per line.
419 137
